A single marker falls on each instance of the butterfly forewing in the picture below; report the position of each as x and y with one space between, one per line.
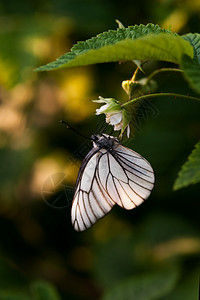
108 176
90 202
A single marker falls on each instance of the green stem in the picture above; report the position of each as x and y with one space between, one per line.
159 95
162 70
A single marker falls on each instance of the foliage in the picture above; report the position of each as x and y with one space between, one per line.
194 40
190 172
39 290
42 290
145 287
186 289
192 72
132 43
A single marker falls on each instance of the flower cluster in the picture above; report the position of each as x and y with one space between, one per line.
116 115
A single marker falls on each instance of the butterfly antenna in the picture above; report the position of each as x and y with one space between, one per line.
100 125
112 130
74 130
104 128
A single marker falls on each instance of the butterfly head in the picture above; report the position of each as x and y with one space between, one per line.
104 141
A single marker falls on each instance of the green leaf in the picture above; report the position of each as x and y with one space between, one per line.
145 287
132 43
188 288
191 72
194 40
190 172
120 249
11 277
13 296
42 290
191 67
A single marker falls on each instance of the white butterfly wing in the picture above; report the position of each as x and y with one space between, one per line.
90 202
129 177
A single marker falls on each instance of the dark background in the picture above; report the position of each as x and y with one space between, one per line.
40 158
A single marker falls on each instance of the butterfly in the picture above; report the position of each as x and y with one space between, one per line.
110 174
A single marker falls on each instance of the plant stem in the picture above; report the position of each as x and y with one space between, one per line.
159 95
162 70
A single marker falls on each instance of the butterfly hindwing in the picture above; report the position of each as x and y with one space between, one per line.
139 177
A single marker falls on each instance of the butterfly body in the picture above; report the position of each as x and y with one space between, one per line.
110 174
105 141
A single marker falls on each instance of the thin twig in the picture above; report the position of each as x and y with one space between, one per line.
159 95
162 70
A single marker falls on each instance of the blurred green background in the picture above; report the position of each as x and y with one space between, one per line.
39 250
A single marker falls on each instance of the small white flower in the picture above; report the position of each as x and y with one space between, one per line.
115 114
102 109
114 119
